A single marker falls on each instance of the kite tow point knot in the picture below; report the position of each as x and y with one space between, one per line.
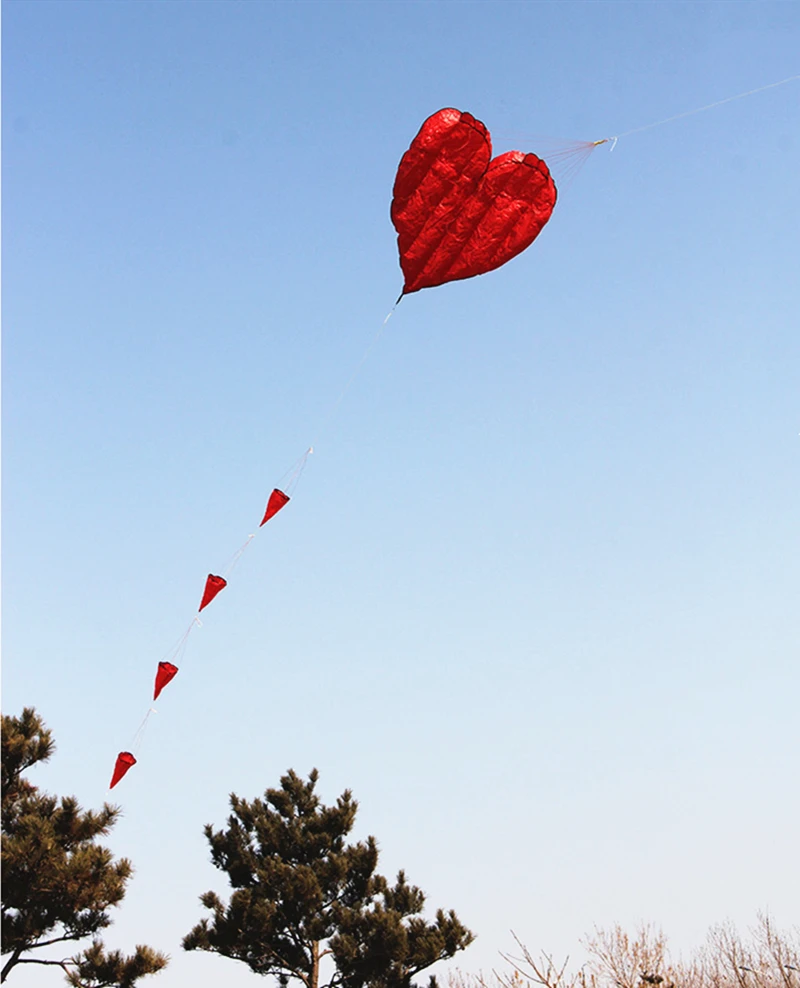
198 622
310 451
606 140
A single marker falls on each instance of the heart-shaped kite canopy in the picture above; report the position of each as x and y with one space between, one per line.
457 211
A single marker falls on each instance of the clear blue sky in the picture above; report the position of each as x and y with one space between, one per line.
536 598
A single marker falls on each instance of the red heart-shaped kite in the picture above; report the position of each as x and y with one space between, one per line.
457 211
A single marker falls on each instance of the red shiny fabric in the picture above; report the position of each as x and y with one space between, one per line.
213 586
165 673
457 211
125 760
277 500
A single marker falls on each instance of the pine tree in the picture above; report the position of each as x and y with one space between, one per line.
58 882
302 894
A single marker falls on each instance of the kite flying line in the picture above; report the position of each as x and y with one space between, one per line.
691 113
458 213
568 157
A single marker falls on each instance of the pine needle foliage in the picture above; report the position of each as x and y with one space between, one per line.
302 894
58 882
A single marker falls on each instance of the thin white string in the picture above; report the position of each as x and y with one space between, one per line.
138 737
180 647
236 556
700 109
289 480
357 370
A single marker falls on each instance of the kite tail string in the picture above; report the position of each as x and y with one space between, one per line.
237 556
291 478
699 109
176 652
357 370
138 737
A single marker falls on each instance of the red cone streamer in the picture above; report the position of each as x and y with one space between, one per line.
277 500
213 586
125 760
165 674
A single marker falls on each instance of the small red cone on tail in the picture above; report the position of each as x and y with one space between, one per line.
165 674
277 500
125 760
213 586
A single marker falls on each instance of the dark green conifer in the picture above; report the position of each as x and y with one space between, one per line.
302 894
58 882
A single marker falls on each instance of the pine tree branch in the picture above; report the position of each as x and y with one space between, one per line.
48 943
337 978
33 960
285 964
300 942
10 963
38 960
